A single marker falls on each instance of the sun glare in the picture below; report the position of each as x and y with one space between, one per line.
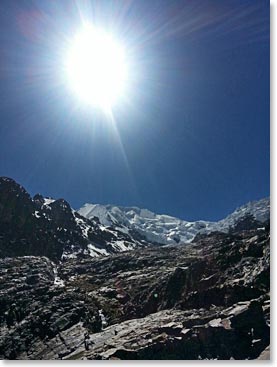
96 68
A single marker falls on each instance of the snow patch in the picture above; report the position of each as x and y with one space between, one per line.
96 252
57 280
103 319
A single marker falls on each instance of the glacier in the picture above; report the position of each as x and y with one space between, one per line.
167 230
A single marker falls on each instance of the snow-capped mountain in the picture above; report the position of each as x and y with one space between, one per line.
165 229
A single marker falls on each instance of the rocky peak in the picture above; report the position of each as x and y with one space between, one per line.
15 203
61 212
38 199
8 185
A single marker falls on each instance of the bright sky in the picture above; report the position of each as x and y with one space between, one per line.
190 136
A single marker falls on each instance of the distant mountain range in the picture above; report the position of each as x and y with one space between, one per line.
167 230
48 227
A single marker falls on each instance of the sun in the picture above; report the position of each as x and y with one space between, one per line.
96 67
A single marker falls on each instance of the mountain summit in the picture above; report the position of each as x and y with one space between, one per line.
168 230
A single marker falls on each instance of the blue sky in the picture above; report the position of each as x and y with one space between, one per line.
191 140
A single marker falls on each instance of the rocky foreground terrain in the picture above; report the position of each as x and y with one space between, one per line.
207 299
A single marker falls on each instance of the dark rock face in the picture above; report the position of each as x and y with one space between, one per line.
15 203
246 223
46 227
205 300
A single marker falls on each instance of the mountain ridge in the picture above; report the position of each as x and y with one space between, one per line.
48 227
166 229
182 218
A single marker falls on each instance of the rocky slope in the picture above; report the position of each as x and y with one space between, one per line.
164 229
206 300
